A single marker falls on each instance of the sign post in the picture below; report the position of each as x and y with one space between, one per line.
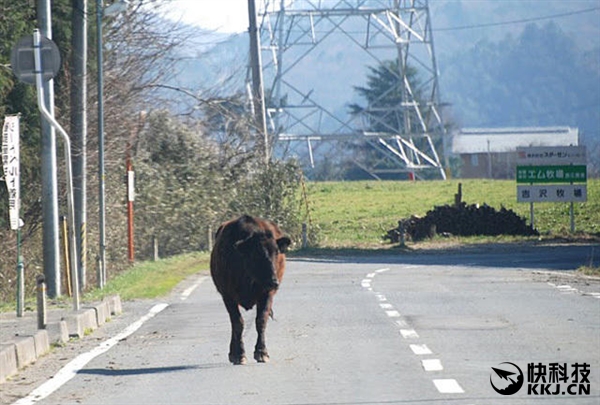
552 174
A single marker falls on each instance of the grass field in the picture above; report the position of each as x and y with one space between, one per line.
351 214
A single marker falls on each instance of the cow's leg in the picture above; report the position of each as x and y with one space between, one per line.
263 310
237 354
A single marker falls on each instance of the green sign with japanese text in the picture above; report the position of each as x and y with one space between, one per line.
552 174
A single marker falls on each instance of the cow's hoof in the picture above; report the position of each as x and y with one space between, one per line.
261 357
237 360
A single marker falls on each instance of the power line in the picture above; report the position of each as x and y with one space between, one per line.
521 21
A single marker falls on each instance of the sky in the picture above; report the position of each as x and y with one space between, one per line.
226 16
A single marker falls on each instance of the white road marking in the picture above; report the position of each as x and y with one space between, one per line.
70 369
448 386
402 323
409 334
185 295
432 365
567 289
444 386
420 350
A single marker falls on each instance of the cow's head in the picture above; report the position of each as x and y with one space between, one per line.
261 251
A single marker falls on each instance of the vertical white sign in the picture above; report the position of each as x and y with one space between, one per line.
130 185
10 163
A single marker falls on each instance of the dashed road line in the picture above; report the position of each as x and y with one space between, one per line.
448 386
568 289
402 323
444 386
382 270
420 350
432 365
409 333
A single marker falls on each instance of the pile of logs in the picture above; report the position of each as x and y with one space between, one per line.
460 219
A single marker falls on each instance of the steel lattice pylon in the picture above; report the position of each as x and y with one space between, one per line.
293 31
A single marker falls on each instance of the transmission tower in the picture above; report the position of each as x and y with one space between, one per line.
295 34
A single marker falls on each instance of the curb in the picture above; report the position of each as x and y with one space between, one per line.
24 350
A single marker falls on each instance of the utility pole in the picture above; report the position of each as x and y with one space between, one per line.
101 170
258 95
49 172
79 130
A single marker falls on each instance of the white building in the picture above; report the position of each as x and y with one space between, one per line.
491 152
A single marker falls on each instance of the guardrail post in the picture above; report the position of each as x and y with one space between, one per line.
41 301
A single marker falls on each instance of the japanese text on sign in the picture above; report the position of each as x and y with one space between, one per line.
10 163
552 174
552 193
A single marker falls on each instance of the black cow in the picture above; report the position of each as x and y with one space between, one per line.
247 264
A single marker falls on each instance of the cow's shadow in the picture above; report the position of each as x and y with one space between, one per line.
110 372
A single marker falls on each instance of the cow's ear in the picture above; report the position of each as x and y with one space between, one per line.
283 243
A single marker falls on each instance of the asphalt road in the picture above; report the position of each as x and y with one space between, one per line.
406 329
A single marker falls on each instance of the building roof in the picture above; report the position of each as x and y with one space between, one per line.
499 140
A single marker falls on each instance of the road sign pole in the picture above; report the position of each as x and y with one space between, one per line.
49 173
69 167
572 218
531 216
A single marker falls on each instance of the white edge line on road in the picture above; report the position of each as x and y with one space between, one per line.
382 270
185 295
70 369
